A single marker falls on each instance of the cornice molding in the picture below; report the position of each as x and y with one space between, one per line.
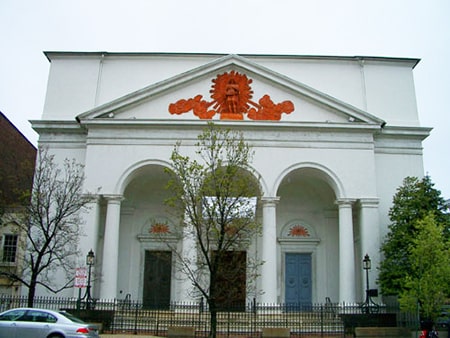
413 131
64 126
412 62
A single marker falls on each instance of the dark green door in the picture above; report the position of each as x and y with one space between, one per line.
157 279
231 281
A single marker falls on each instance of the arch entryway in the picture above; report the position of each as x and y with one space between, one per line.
145 263
308 236
149 267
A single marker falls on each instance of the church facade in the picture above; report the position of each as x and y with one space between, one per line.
334 137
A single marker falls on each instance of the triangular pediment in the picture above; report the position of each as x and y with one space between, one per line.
268 94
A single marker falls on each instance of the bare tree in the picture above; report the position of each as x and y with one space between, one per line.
51 226
215 197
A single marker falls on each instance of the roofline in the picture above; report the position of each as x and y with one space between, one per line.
17 129
414 61
219 64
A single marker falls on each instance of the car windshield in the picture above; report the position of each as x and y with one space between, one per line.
72 318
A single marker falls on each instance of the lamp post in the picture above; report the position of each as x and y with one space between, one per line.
369 306
90 259
367 265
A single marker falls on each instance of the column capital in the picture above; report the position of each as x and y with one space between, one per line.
93 198
345 202
270 200
113 198
369 202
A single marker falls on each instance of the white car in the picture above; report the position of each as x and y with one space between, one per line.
40 323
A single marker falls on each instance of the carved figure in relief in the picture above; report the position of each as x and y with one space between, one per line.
231 96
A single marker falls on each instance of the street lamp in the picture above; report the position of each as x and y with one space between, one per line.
367 265
369 306
90 260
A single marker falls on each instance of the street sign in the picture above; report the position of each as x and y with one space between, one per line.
80 278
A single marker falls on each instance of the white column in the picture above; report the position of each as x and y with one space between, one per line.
346 252
269 250
189 257
111 248
91 227
89 240
370 239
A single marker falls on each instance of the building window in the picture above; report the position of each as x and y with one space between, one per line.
9 248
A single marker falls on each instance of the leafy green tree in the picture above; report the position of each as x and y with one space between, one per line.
214 197
428 280
414 200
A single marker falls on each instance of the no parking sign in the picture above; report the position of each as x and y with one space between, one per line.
80 278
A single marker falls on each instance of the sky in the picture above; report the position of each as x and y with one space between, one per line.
393 28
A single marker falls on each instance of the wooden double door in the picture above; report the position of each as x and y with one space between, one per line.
157 279
230 293
231 280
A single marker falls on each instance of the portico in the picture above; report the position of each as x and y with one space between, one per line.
328 155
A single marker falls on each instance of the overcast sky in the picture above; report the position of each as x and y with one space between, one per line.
395 28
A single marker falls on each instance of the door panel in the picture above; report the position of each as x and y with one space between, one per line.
8 329
231 280
157 279
298 281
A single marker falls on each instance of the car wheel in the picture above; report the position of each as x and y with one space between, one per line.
56 335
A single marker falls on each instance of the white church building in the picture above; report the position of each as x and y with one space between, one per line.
334 137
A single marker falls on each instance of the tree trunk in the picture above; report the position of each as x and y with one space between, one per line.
32 290
213 318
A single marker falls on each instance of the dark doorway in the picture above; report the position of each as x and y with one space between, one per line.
231 291
157 279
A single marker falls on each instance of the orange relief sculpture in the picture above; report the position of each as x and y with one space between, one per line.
231 96
159 228
298 231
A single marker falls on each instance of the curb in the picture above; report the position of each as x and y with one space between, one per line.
124 336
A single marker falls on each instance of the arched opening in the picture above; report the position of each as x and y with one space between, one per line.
145 263
308 233
149 264
235 219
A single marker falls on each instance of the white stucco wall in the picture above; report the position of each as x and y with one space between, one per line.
354 132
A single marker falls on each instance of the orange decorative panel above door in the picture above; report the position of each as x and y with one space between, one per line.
231 96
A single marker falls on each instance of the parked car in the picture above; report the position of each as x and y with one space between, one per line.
443 321
444 318
40 323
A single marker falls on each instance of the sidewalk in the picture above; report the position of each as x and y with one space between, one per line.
125 336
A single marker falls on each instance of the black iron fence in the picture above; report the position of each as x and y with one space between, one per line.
311 320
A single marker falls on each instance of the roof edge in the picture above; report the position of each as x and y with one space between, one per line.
413 61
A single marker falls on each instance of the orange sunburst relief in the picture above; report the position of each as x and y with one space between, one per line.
298 231
159 228
231 96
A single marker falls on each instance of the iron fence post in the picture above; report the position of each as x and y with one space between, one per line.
254 316
157 322
321 320
135 318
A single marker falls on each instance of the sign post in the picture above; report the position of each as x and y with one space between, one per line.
80 282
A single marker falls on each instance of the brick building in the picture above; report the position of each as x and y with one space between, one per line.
17 156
